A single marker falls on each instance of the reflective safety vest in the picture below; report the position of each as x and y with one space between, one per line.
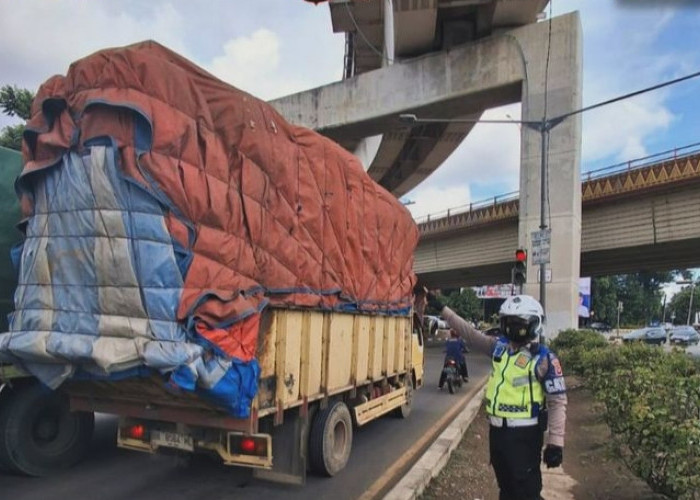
513 390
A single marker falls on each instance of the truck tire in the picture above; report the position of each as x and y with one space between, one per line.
38 433
330 439
404 411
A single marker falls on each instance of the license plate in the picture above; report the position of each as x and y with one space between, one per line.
172 440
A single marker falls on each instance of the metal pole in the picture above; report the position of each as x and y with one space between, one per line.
690 305
543 201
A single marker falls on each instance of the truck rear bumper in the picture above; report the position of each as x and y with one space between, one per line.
234 448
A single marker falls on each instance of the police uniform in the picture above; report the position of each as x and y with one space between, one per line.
525 394
515 403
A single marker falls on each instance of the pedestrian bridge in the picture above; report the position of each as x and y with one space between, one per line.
641 215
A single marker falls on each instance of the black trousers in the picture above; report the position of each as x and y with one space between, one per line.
516 453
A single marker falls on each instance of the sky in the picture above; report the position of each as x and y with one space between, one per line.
273 48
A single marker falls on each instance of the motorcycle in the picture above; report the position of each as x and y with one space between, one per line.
450 371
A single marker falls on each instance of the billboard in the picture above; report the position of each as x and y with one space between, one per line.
584 297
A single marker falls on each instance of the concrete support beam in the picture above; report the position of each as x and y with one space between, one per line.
561 91
465 80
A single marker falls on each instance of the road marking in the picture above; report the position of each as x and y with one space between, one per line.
391 476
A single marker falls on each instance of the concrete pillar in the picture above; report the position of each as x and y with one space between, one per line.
563 208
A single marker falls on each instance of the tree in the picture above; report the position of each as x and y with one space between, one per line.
11 137
639 292
680 302
604 299
15 101
465 303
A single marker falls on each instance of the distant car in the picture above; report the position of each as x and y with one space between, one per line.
433 324
684 335
600 326
647 335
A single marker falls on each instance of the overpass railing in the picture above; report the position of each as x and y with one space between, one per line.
646 161
506 205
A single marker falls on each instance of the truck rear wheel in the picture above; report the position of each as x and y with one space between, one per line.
330 439
404 411
38 433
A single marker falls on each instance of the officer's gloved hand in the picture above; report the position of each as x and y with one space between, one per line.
433 301
553 456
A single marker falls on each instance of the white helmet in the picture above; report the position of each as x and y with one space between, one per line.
522 318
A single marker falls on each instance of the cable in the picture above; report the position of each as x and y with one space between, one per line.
362 35
631 94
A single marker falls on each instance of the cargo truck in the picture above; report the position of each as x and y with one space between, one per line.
223 281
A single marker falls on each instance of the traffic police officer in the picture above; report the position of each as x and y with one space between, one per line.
524 394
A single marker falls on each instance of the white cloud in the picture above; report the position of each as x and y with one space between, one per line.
250 63
619 131
42 38
39 38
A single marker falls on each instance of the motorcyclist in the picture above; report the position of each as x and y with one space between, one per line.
526 383
455 349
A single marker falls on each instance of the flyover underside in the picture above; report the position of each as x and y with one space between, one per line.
472 276
652 229
668 256
682 254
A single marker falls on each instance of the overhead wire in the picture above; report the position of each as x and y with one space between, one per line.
545 182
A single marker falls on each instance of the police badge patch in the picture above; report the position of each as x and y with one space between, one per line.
521 361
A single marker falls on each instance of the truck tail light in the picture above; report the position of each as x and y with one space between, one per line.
136 431
249 445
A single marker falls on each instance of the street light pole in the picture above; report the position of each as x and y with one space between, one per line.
690 305
543 127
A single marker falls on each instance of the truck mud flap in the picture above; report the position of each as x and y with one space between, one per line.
289 450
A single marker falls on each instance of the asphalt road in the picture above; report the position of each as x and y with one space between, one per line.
382 450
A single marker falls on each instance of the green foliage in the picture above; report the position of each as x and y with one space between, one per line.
465 303
11 137
652 405
16 101
680 302
639 292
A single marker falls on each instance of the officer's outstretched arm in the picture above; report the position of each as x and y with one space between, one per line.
476 340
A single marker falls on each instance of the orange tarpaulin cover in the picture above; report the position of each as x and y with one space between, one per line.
263 210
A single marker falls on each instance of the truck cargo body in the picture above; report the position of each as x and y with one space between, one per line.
360 366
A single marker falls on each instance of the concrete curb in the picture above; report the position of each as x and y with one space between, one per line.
411 486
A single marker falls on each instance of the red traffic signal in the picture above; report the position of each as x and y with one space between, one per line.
519 276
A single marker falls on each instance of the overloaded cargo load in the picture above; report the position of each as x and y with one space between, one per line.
164 210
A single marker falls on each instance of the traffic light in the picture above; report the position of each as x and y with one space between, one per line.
520 267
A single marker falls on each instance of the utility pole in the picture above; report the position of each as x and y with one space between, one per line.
543 127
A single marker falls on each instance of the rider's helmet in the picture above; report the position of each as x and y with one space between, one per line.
522 318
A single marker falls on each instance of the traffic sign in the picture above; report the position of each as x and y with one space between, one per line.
547 276
541 242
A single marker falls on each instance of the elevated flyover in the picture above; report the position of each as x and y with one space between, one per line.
643 215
